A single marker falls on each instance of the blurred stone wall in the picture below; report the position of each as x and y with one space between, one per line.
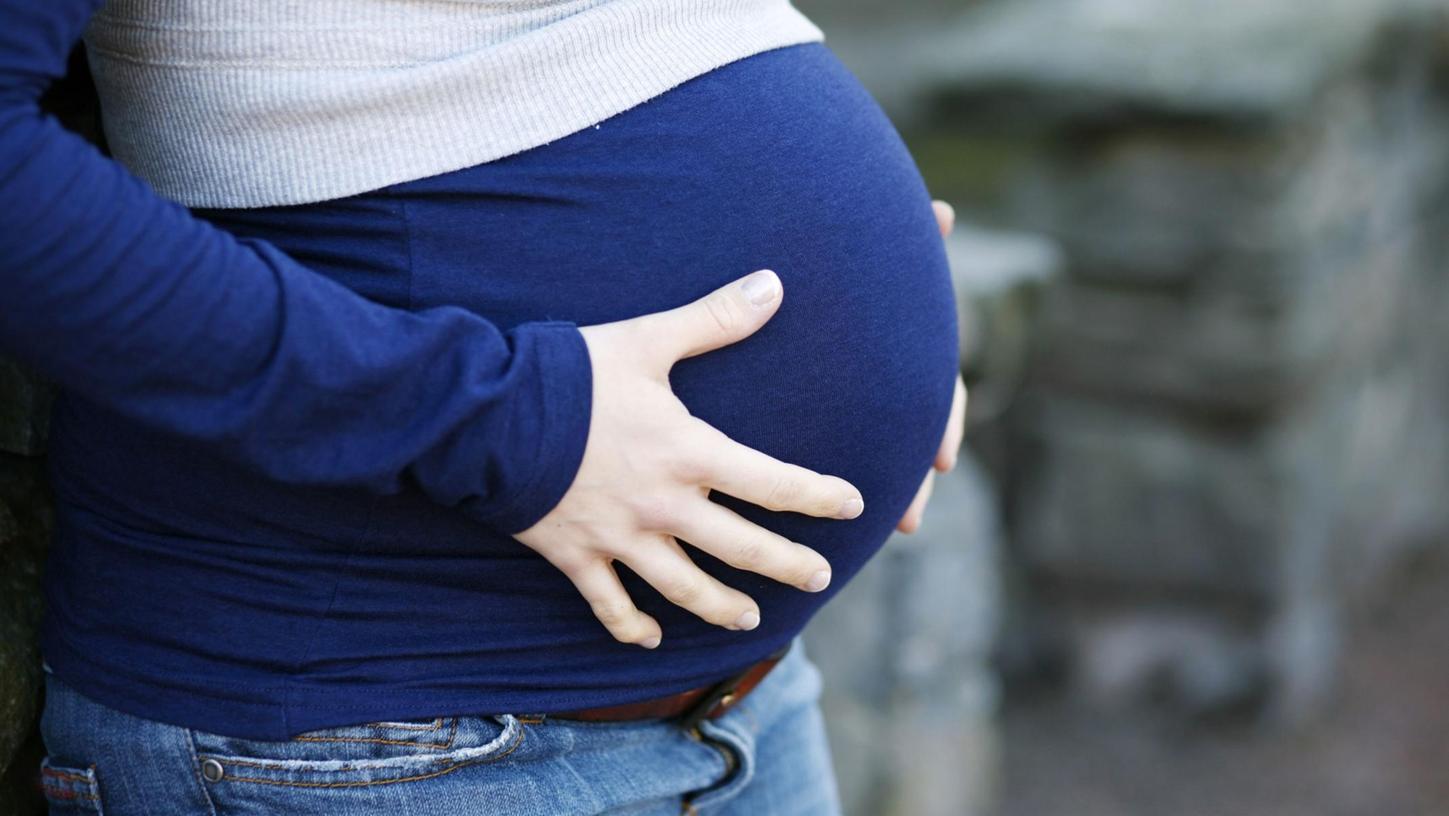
1235 415
25 524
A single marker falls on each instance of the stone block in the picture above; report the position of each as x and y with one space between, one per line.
1189 659
1060 61
1130 500
999 278
1154 207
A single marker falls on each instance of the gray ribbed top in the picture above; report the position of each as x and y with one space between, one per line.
250 103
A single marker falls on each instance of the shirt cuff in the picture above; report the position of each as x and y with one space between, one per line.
540 449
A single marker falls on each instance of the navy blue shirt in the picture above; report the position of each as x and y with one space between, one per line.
258 526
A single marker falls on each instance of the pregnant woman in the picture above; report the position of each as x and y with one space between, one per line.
249 617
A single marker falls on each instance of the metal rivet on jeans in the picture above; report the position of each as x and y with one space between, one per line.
212 770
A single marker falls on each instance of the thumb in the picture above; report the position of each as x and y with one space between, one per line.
727 315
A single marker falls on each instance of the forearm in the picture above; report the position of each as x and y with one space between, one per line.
128 299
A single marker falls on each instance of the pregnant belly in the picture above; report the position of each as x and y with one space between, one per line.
778 161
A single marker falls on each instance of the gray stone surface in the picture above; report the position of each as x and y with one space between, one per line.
1237 58
1235 411
1194 660
21 555
25 529
999 277
910 698
1140 499
24 410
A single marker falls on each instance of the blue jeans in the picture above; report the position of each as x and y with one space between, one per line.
767 755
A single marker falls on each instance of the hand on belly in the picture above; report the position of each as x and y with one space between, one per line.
648 467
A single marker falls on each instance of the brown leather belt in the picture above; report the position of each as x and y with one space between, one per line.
690 706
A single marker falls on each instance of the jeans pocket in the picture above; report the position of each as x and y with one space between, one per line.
378 753
69 789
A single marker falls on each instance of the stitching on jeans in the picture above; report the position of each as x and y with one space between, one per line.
196 770
286 764
432 726
53 791
69 777
452 735
66 793
283 764
373 741
360 784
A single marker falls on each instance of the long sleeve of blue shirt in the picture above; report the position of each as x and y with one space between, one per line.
126 298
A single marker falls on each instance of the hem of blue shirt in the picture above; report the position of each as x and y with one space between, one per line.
282 710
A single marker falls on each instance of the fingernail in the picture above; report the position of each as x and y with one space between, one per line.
749 619
651 642
818 581
950 211
851 508
762 287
